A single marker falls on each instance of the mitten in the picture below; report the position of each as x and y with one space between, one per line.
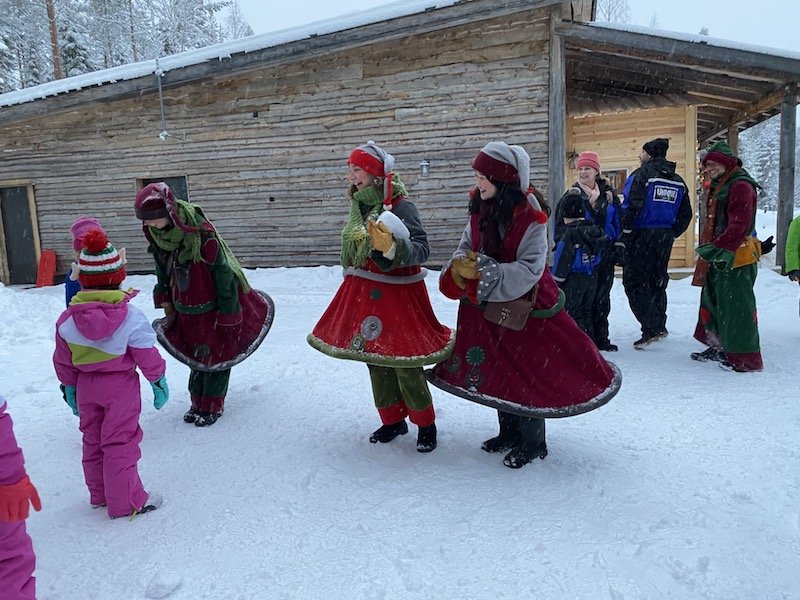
767 246
466 266
794 275
71 398
380 236
619 256
457 279
160 392
14 500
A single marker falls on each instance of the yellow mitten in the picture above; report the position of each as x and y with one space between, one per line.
466 266
380 236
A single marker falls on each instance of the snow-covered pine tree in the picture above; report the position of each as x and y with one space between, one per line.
74 38
759 149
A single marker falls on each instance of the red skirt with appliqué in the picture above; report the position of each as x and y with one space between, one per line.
383 319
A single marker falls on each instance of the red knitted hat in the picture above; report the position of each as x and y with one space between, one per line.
99 262
494 169
377 162
588 159
721 153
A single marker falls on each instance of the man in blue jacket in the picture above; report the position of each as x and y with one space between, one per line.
656 210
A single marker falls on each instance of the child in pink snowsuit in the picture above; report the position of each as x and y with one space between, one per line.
16 491
100 340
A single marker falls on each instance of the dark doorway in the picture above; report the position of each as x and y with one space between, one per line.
19 236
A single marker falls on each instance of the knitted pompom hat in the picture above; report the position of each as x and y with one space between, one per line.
79 229
156 201
722 153
505 164
99 263
377 162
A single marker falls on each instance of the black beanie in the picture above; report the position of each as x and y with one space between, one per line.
657 148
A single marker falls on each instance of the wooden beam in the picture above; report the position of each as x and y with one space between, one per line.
696 53
786 171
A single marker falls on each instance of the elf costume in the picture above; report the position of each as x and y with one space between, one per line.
215 320
727 268
381 314
548 369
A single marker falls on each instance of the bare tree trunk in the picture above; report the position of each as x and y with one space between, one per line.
51 17
133 35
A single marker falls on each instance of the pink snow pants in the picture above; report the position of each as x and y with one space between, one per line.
17 562
109 405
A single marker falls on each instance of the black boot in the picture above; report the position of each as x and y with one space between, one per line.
204 419
709 354
190 416
426 438
386 433
531 444
509 434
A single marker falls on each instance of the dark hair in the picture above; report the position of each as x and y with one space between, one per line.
496 214
542 202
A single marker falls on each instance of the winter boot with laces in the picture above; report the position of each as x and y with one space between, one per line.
508 436
531 444
426 438
386 433
709 354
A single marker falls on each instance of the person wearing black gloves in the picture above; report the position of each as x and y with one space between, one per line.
656 209
588 245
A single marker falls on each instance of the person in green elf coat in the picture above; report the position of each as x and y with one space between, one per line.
792 256
728 264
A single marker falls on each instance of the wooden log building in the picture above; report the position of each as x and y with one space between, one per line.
257 131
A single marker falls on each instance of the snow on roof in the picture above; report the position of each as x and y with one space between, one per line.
222 51
697 39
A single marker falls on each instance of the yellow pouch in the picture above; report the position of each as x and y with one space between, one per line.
748 253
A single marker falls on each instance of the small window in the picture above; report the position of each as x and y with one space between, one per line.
617 178
178 185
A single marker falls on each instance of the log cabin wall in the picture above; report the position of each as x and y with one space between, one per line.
264 152
618 139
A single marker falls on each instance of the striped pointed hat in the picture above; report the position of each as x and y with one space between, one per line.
99 263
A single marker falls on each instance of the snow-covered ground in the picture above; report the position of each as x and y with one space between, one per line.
684 486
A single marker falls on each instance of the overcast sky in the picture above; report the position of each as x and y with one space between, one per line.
764 23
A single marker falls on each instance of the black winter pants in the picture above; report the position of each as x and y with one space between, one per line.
579 291
645 277
601 306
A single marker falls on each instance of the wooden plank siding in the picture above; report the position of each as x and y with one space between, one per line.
264 152
618 139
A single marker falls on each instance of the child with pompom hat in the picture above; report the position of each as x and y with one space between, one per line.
100 341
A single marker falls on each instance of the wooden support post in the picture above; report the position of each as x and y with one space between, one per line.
786 171
557 112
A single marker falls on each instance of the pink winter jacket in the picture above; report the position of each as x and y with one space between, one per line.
12 466
101 332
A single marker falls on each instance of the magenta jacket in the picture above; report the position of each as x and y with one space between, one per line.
101 332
